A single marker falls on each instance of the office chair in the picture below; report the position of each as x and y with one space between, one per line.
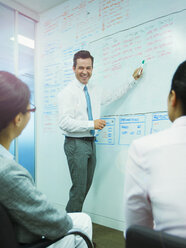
143 237
8 238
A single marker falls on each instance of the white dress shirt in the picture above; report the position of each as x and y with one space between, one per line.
155 181
72 106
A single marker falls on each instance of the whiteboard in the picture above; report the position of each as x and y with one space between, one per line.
119 34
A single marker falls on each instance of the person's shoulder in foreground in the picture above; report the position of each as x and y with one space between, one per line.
155 170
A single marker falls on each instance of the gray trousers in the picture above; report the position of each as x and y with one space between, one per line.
81 157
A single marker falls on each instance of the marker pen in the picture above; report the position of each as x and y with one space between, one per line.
140 71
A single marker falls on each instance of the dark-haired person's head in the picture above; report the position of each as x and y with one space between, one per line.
177 95
14 98
82 54
83 66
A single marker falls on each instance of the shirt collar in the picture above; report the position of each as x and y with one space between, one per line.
5 153
79 84
181 121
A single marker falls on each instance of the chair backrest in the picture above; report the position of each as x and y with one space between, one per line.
7 234
143 237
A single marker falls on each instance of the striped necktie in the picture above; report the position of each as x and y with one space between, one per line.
89 109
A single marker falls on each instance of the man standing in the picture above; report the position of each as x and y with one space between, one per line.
79 117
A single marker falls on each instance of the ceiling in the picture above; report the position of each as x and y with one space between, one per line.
39 6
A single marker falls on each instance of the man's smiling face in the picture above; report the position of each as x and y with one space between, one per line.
83 70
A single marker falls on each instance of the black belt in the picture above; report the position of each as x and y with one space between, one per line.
82 138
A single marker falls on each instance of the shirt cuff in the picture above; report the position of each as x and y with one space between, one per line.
132 82
91 125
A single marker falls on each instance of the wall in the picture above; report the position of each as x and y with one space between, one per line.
119 34
15 5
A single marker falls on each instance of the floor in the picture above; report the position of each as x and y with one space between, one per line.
105 237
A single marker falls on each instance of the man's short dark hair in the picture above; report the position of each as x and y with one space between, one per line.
179 85
82 54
